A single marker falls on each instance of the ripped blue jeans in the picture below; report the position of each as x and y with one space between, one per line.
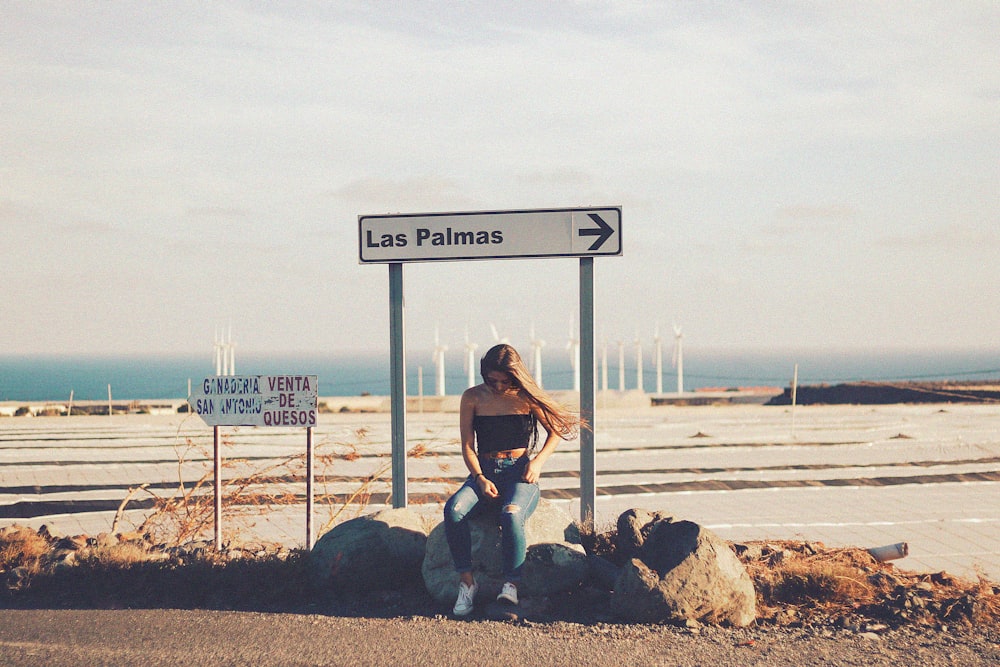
517 500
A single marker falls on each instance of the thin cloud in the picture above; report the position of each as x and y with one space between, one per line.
87 227
800 219
561 177
808 212
951 237
218 212
379 195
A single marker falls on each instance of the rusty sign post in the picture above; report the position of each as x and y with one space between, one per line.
257 400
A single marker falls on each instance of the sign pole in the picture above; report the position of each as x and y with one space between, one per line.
310 473
217 482
256 400
588 474
583 232
397 370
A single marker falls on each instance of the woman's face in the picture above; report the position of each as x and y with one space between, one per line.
500 382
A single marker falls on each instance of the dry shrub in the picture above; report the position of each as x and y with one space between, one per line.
22 547
123 554
986 610
186 512
810 582
798 581
836 585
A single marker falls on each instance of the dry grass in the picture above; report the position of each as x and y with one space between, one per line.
123 577
835 577
187 512
802 583
123 554
170 550
22 547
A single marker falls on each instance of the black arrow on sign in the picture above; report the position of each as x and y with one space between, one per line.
603 232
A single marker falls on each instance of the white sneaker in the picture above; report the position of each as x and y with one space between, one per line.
466 598
508 593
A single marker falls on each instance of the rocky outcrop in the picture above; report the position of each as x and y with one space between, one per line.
682 572
555 561
634 526
379 551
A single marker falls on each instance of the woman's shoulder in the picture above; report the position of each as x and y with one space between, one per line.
480 401
475 395
474 391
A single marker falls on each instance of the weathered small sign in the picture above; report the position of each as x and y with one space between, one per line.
256 400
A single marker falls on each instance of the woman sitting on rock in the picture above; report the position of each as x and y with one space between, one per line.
498 423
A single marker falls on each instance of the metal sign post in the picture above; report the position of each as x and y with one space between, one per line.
217 485
397 369
310 477
428 237
588 464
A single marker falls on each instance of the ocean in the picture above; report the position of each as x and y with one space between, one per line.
49 378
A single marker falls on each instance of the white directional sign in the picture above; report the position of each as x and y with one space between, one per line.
256 400
425 237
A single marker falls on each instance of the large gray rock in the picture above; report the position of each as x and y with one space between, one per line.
378 551
684 572
633 528
554 562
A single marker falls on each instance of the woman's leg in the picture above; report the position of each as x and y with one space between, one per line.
518 501
457 511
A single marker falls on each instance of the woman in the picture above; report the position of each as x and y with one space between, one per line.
498 423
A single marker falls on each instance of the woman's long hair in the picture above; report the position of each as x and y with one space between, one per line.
505 359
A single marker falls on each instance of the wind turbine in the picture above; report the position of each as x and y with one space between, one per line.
621 365
225 353
604 366
232 352
678 360
217 352
638 363
536 356
496 337
658 343
439 351
573 345
470 358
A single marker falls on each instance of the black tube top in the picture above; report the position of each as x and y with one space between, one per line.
497 433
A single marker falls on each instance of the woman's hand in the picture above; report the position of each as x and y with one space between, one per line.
488 488
532 471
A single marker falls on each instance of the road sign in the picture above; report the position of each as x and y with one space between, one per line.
427 237
256 400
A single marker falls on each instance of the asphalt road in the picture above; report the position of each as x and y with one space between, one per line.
172 637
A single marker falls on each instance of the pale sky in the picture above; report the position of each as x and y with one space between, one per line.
791 174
